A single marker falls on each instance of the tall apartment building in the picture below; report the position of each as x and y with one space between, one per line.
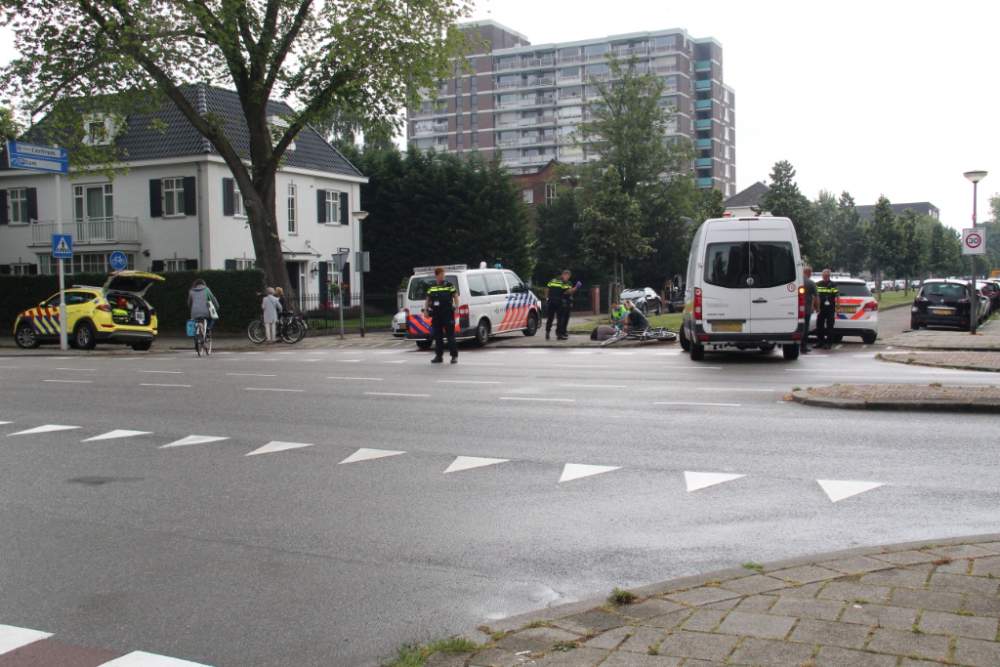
521 102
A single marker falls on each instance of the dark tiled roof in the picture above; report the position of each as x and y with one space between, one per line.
179 138
750 197
921 207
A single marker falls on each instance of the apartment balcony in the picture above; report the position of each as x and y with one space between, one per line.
666 48
566 139
510 85
703 162
527 141
703 85
704 124
538 81
571 99
703 104
563 60
503 67
433 129
92 231
596 57
703 66
704 143
509 123
664 69
534 159
565 80
704 182
507 143
511 161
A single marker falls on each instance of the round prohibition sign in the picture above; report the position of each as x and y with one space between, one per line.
973 240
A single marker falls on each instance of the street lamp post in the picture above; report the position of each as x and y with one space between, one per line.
359 216
975 177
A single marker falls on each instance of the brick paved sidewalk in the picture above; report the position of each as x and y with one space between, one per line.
907 605
972 361
987 338
901 397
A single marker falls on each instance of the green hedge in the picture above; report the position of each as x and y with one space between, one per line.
234 290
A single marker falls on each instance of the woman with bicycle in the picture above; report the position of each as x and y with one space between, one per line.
203 304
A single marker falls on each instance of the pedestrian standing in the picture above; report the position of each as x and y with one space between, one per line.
285 312
272 308
829 299
553 302
812 303
562 327
440 304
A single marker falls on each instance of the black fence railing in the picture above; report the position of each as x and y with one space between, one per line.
323 311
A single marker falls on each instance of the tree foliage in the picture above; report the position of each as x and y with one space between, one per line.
115 57
910 251
784 199
9 127
611 224
881 239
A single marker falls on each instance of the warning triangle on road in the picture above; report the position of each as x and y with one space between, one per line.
470 462
2 423
48 428
838 490
194 440
117 433
278 446
365 454
701 480
577 470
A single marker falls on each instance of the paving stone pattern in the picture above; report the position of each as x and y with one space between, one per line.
973 361
910 392
898 606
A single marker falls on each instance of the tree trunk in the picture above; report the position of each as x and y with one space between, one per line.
263 225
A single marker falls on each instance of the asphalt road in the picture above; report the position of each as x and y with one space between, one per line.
296 557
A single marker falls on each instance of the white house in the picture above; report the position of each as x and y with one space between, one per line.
177 207
741 204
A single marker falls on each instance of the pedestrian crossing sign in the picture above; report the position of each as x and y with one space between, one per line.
62 246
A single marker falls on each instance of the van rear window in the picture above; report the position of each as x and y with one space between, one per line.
419 286
853 289
731 264
950 291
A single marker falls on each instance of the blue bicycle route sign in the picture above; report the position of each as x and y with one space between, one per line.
37 158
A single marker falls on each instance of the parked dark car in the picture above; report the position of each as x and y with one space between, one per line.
645 299
675 303
942 303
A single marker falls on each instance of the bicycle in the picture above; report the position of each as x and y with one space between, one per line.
202 337
657 333
291 330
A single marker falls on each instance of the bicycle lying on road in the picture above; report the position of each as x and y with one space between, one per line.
656 333
291 330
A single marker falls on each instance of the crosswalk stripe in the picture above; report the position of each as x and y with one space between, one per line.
47 428
117 433
143 659
12 637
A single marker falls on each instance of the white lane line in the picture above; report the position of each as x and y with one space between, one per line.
731 389
169 372
278 446
255 375
466 382
9 368
76 369
341 377
151 384
547 400
47 428
348 361
596 386
480 363
577 366
401 361
718 405
294 391
12 637
70 381
117 433
381 393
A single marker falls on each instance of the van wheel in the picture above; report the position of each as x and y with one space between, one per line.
685 343
483 332
26 338
85 336
424 344
532 328
790 352
697 352
767 348
870 338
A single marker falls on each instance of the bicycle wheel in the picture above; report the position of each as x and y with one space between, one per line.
256 332
662 334
208 343
198 342
292 332
619 335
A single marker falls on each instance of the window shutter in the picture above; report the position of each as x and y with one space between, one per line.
324 269
4 269
4 214
156 198
32 269
32 195
191 264
157 266
345 216
228 196
190 196
321 206
230 265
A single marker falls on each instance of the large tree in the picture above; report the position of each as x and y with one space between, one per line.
784 199
850 251
910 253
881 239
115 56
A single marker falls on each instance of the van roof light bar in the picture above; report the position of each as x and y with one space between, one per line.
447 267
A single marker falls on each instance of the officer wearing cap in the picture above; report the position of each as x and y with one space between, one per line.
440 304
554 302
562 327
829 299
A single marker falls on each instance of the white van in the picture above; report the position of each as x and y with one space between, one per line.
490 302
744 287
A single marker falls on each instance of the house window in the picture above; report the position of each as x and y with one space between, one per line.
529 196
173 196
97 133
18 199
550 192
244 264
292 217
475 138
475 119
458 103
93 202
332 207
238 203
21 269
175 265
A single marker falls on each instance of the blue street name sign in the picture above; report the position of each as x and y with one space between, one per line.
62 246
37 158
118 260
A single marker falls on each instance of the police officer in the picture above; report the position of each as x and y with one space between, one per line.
554 302
562 332
440 304
829 299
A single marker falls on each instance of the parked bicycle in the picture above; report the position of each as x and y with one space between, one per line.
202 337
654 333
290 329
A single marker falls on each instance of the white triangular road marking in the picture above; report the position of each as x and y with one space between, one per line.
577 470
143 659
45 429
194 440
470 462
700 480
117 433
12 637
1 423
365 454
838 490
278 446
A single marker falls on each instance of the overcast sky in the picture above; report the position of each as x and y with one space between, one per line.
876 97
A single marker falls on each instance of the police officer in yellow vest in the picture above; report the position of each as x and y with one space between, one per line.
440 304
829 299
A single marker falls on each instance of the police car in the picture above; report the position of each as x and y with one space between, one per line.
857 314
490 302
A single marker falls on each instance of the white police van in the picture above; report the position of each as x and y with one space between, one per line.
490 302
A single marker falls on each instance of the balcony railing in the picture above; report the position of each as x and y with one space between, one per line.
702 85
432 129
90 231
569 79
704 143
503 67
704 124
506 143
703 104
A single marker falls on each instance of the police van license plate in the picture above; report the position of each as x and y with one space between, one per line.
847 309
733 327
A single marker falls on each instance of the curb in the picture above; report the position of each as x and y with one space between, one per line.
917 362
729 573
902 405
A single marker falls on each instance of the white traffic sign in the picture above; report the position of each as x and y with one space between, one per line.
974 241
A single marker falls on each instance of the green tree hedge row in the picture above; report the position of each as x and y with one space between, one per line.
234 290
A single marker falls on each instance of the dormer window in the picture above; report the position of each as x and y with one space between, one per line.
98 131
